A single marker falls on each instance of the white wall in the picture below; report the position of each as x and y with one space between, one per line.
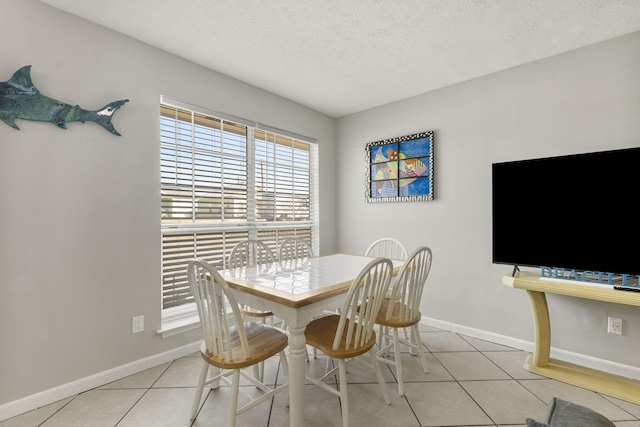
581 101
80 208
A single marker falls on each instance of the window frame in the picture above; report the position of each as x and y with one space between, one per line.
184 317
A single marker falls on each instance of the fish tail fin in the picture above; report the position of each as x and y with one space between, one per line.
10 121
103 116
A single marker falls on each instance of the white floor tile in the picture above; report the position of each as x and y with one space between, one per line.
506 402
444 404
444 341
512 362
466 366
37 416
95 408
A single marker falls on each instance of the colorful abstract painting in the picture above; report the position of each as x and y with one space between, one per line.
400 169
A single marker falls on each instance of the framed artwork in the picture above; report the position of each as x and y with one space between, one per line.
400 169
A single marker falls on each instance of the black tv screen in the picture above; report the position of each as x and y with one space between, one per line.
576 212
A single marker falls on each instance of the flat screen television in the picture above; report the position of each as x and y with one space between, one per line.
577 212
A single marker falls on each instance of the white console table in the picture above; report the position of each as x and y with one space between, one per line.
540 363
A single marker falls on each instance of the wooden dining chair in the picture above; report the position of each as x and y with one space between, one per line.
401 310
229 343
290 249
346 336
247 253
250 252
293 248
387 247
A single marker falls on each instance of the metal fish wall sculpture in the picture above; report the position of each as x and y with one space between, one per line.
19 99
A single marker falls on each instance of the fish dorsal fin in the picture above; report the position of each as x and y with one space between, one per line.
21 79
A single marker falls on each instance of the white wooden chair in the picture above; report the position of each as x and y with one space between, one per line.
294 248
387 247
250 252
229 343
247 253
402 310
350 334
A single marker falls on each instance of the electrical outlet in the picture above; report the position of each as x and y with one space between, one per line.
138 324
614 326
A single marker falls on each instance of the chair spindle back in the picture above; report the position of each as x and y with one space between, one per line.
362 304
387 247
213 299
293 248
250 252
406 290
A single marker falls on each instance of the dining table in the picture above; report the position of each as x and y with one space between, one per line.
296 291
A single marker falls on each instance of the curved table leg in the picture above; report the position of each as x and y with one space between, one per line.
540 357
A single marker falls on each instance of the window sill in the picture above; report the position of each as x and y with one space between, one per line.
179 320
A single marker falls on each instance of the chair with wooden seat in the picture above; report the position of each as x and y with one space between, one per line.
247 253
250 252
346 336
293 248
230 344
387 247
402 310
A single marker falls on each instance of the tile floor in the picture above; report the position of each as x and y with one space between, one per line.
470 383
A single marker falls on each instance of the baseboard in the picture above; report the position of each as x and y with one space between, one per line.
46 397
614 368
603 365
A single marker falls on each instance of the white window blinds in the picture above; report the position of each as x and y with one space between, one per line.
223 181
282 169
203 167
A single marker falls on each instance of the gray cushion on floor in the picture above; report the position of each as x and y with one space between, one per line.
566 414
534 423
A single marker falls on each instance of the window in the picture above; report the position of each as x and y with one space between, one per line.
223 180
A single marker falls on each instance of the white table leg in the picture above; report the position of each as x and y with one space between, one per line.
297 370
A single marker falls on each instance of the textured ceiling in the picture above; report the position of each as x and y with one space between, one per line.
344 56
